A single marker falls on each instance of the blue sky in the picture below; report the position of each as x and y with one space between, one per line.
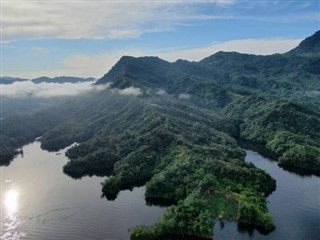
85 38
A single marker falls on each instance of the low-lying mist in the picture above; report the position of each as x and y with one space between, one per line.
27 97
27 89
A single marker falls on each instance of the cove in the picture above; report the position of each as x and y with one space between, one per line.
294 206
40 202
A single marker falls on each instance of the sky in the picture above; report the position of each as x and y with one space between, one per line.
86 38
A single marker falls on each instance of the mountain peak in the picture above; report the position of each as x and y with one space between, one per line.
309 45
146 67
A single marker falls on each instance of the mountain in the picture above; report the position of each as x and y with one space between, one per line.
176 128
10 80
264 75
309 45
62 79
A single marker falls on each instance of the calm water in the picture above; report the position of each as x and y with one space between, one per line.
39 202
294 206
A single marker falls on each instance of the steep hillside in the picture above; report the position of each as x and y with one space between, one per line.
269 94
175 127
309 45
177 150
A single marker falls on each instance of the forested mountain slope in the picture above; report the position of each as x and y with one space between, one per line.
176 126
269 94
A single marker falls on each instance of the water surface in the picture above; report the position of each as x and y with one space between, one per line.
38 201
294 206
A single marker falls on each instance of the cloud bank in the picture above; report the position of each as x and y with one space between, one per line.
28 89
97 19
162 92
130 91
101 19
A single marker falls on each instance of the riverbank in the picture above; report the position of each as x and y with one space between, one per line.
294 206
271 155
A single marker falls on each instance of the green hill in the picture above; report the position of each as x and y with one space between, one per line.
179 133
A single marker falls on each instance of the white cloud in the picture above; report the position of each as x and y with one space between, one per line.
162 92
27 89
79 65
94 19
184 96
5 42
101 19
130 91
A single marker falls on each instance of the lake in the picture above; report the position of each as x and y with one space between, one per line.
39 202
294 206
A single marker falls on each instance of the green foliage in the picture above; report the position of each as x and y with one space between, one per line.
291 131
184 149
142 233
19 130
302 156
252 210
189 218
222 205
269 94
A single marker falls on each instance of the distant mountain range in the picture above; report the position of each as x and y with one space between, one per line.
62 79
10 80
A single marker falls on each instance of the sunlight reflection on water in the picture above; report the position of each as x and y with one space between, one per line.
11 219
11 200
40 202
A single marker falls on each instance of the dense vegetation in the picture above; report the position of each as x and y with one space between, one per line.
17 131
263 95
178 134
289 130
177 150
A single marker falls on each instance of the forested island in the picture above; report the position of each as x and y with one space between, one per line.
176 128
